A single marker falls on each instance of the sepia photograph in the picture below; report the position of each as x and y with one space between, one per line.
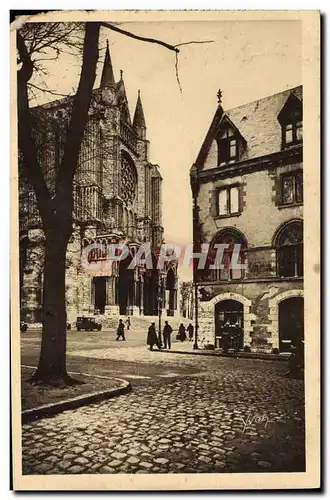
165 244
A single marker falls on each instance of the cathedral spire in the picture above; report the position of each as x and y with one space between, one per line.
139 120
107 78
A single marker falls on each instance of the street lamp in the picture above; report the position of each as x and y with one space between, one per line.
195 346
160 303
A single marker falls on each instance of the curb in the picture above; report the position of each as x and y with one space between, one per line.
70 404
269 357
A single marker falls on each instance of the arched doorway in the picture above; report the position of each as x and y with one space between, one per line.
291 322
229 323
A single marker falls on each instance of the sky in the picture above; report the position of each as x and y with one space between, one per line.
247 60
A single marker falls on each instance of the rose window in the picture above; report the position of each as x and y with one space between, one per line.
128 181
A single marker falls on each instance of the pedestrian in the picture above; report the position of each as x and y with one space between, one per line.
182 333
190 330
152 338
167 335
296 360
121 330
235 335
225 342
128 323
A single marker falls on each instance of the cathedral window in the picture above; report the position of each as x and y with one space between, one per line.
128 180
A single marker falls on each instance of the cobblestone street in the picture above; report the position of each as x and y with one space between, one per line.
233 416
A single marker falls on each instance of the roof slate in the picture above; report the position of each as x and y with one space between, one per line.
257 122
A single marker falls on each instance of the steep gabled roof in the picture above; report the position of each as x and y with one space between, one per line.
258 123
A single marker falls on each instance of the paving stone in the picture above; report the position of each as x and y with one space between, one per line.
146 465
64 464
161 461
88 454
133 451
77 449
115 463
199 416
205 459
118 455
82 460
203 446
76 469
107 470
41 468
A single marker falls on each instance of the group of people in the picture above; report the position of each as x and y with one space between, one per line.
154 340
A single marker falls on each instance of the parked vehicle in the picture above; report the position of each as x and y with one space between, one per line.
87 324
23 326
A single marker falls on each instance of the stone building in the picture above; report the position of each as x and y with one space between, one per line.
117 200
247 185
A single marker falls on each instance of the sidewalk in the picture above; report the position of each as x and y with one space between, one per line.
186 347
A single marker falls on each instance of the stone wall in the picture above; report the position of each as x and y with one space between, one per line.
260 217
260 310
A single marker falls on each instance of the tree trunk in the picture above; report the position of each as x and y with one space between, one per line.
52 362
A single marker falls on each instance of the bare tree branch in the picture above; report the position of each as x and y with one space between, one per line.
138 37
177 71
53 92
194 41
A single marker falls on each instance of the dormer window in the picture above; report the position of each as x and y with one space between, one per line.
290 118
228 146
292 133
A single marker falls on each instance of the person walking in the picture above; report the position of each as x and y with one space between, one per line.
128 323
182 333
167 335
225 342
121 330
152 338
190 330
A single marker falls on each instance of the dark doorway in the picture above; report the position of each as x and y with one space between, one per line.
170 286
100 289
125 287
150 293
291 322
229 324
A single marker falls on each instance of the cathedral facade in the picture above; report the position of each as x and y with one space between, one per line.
247 186
117 200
